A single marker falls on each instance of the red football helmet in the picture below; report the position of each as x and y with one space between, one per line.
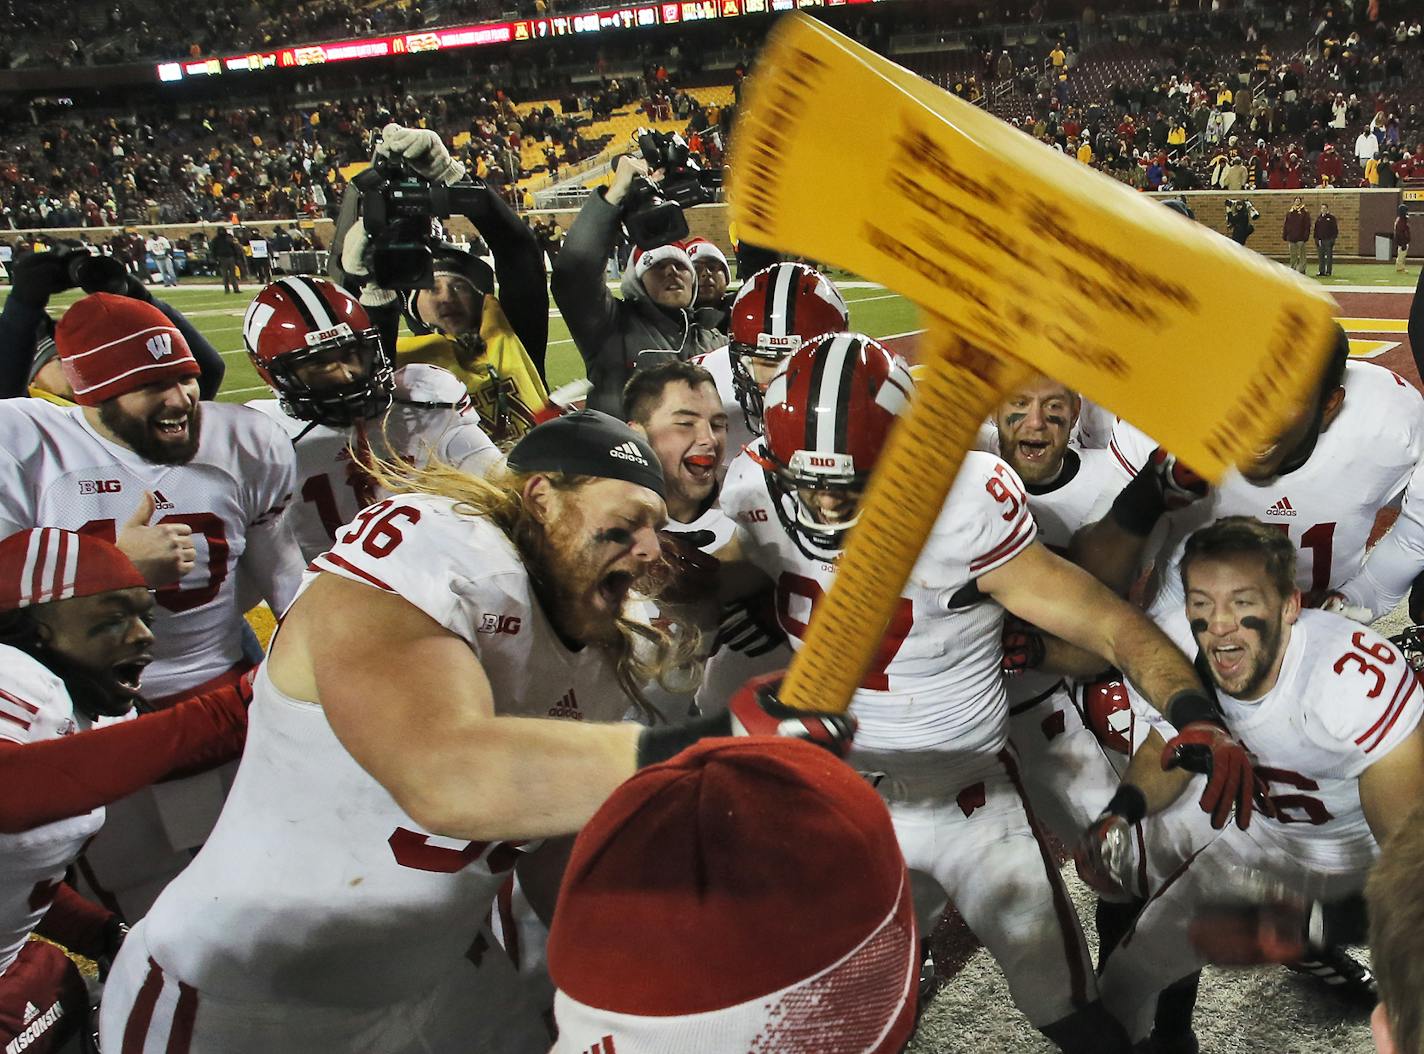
829 410
775 312
298 323
1107 712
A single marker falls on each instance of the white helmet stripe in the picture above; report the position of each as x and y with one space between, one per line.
780 304
258 315
305 292
827 405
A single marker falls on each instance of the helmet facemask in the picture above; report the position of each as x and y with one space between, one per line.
817 473
336 405
771 351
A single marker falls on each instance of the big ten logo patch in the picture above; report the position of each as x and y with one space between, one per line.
490 623
752 516
100 486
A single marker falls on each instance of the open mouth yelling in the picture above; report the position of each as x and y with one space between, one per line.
701 467
613 589
1034 451
129 674
1229 660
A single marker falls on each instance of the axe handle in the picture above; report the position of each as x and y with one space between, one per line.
959 386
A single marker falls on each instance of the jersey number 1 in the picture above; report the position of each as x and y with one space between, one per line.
175 597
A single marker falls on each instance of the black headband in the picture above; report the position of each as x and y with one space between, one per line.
589 443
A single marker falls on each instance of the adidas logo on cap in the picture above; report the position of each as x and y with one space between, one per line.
1281 508
628 452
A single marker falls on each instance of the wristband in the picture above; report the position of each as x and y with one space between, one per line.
664 741
1129 802
1188 706
1140 504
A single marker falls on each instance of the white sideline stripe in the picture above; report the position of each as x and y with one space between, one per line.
245 391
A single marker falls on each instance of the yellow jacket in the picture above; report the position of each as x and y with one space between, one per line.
504 386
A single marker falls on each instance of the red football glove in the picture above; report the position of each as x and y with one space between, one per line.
1023 646
1105 858
755 711
1230 776
687 573
1180 485
1248 935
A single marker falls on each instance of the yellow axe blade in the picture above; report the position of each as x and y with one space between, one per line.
843 156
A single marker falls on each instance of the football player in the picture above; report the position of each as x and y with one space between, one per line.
74 642
1331 712
193 493
775 312
1065 769
932 712
337 398
401 755
1352 451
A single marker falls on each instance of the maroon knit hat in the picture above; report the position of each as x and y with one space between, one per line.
45 564
109 345
748 894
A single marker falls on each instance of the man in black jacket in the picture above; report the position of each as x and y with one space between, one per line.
656 312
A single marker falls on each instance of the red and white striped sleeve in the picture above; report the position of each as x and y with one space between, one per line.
33 702
991 507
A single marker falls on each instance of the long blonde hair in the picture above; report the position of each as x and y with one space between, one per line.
665 653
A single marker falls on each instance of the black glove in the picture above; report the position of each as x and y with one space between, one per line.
1163 484
1023 646
37 277
749 626
753 711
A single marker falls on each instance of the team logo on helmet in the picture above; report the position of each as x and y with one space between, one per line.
296 325
778 310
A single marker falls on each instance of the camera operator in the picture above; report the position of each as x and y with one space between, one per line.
38 276
656 311
494 344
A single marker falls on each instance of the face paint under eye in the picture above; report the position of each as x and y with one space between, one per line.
1014 420
1253 622
1198 625
613 536
1055 420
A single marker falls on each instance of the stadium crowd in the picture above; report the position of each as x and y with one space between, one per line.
516 773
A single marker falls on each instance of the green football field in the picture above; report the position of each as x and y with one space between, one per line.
874 310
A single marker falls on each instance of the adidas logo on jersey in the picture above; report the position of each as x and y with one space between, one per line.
628 452
1281 508
567 707
603 1046
35 1026
160 503
159 345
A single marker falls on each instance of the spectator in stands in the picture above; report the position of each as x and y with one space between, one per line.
656 312
1366 146
713 274
1329 167
1295 232
1327 229
227 255
1401 237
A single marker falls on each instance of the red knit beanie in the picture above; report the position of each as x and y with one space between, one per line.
45 564
748 894
109 345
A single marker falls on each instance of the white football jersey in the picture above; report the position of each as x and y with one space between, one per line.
35 706
315 887
332 485
56 471
1081 494
1344 699
935 684
1327 507
718 363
